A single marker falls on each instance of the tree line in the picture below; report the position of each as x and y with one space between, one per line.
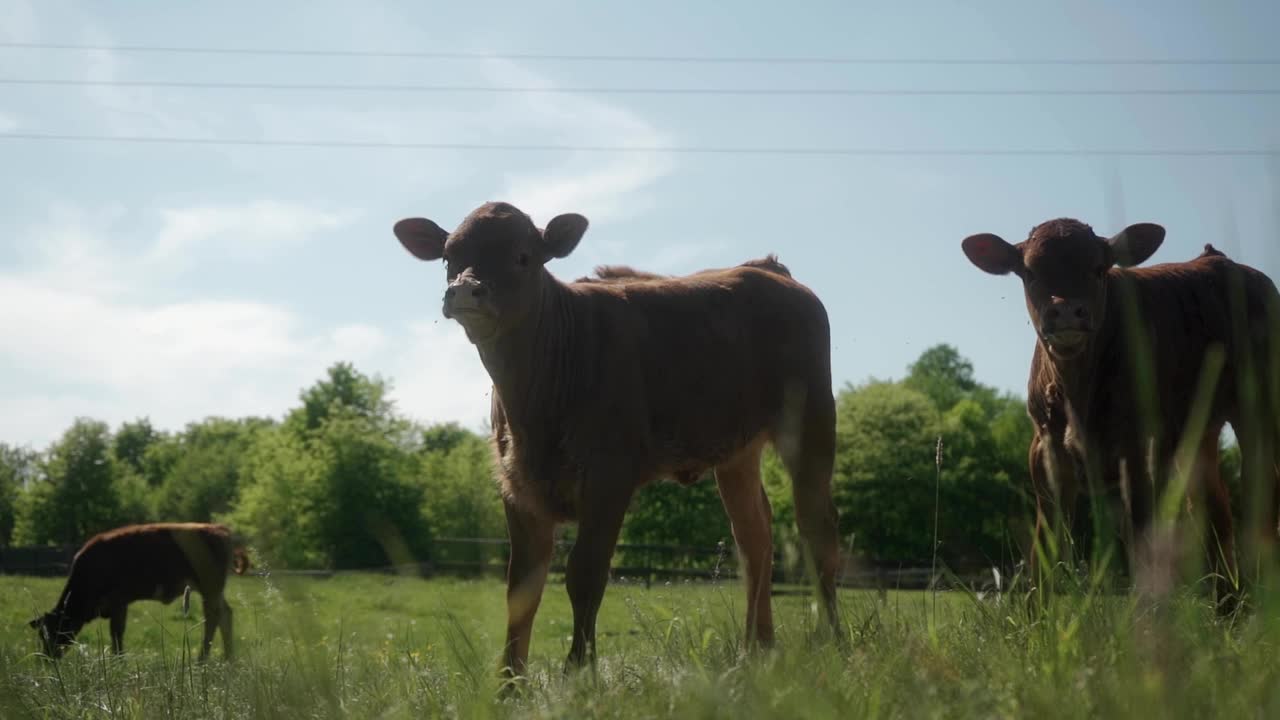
933 463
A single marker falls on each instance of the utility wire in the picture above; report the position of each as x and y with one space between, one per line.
638 58
665 149
488 89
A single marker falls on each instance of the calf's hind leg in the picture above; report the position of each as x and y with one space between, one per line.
750 516
1221 530
214 607
224 626
808 451
119 615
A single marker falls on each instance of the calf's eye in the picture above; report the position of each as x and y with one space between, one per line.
523 260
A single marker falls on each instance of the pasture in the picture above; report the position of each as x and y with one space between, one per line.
378 646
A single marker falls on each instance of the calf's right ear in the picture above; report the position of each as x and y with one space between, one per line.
991 253
421 237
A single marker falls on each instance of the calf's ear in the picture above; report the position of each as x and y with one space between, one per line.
1133 245
421 237
991 253
562 235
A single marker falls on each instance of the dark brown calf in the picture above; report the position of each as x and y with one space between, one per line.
1118 360
145 562
604 385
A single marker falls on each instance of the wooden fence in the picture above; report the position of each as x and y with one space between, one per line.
647 564
40 561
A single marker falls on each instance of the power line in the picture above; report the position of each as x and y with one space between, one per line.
629 149
640 58
489 89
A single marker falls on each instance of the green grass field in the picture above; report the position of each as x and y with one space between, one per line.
367 646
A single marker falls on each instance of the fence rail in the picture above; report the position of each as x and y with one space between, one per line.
645 563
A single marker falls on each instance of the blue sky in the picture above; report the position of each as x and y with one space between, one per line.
178 282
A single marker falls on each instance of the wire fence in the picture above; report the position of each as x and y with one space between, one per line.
637 563
639 58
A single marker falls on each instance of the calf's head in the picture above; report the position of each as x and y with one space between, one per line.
494 263
1064 269
56 632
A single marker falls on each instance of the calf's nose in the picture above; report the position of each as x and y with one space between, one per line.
1068 313
464 290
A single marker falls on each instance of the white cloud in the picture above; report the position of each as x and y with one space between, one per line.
607 192
118 110
102 351
138 111
606 185
8 122
438 376
71 249
76 317
684 257
19 21
250 231
82 316
358 343
82 338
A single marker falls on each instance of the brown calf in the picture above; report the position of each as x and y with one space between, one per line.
602 386
1109 421
144 562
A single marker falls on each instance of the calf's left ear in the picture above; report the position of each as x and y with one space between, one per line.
562 234
1135 244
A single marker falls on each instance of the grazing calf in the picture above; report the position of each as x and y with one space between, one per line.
145 562
603 385
1118 361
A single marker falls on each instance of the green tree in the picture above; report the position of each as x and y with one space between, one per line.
79 496
976 494
18 467
946 377
444 437
281 500
884 480
889 483
460 494
371 512
202 471
942 375
336 485
667 513
132 441
344 389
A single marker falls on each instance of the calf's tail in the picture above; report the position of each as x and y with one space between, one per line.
770 263
241 561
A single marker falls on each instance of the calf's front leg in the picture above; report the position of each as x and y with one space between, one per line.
532 541
602 506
